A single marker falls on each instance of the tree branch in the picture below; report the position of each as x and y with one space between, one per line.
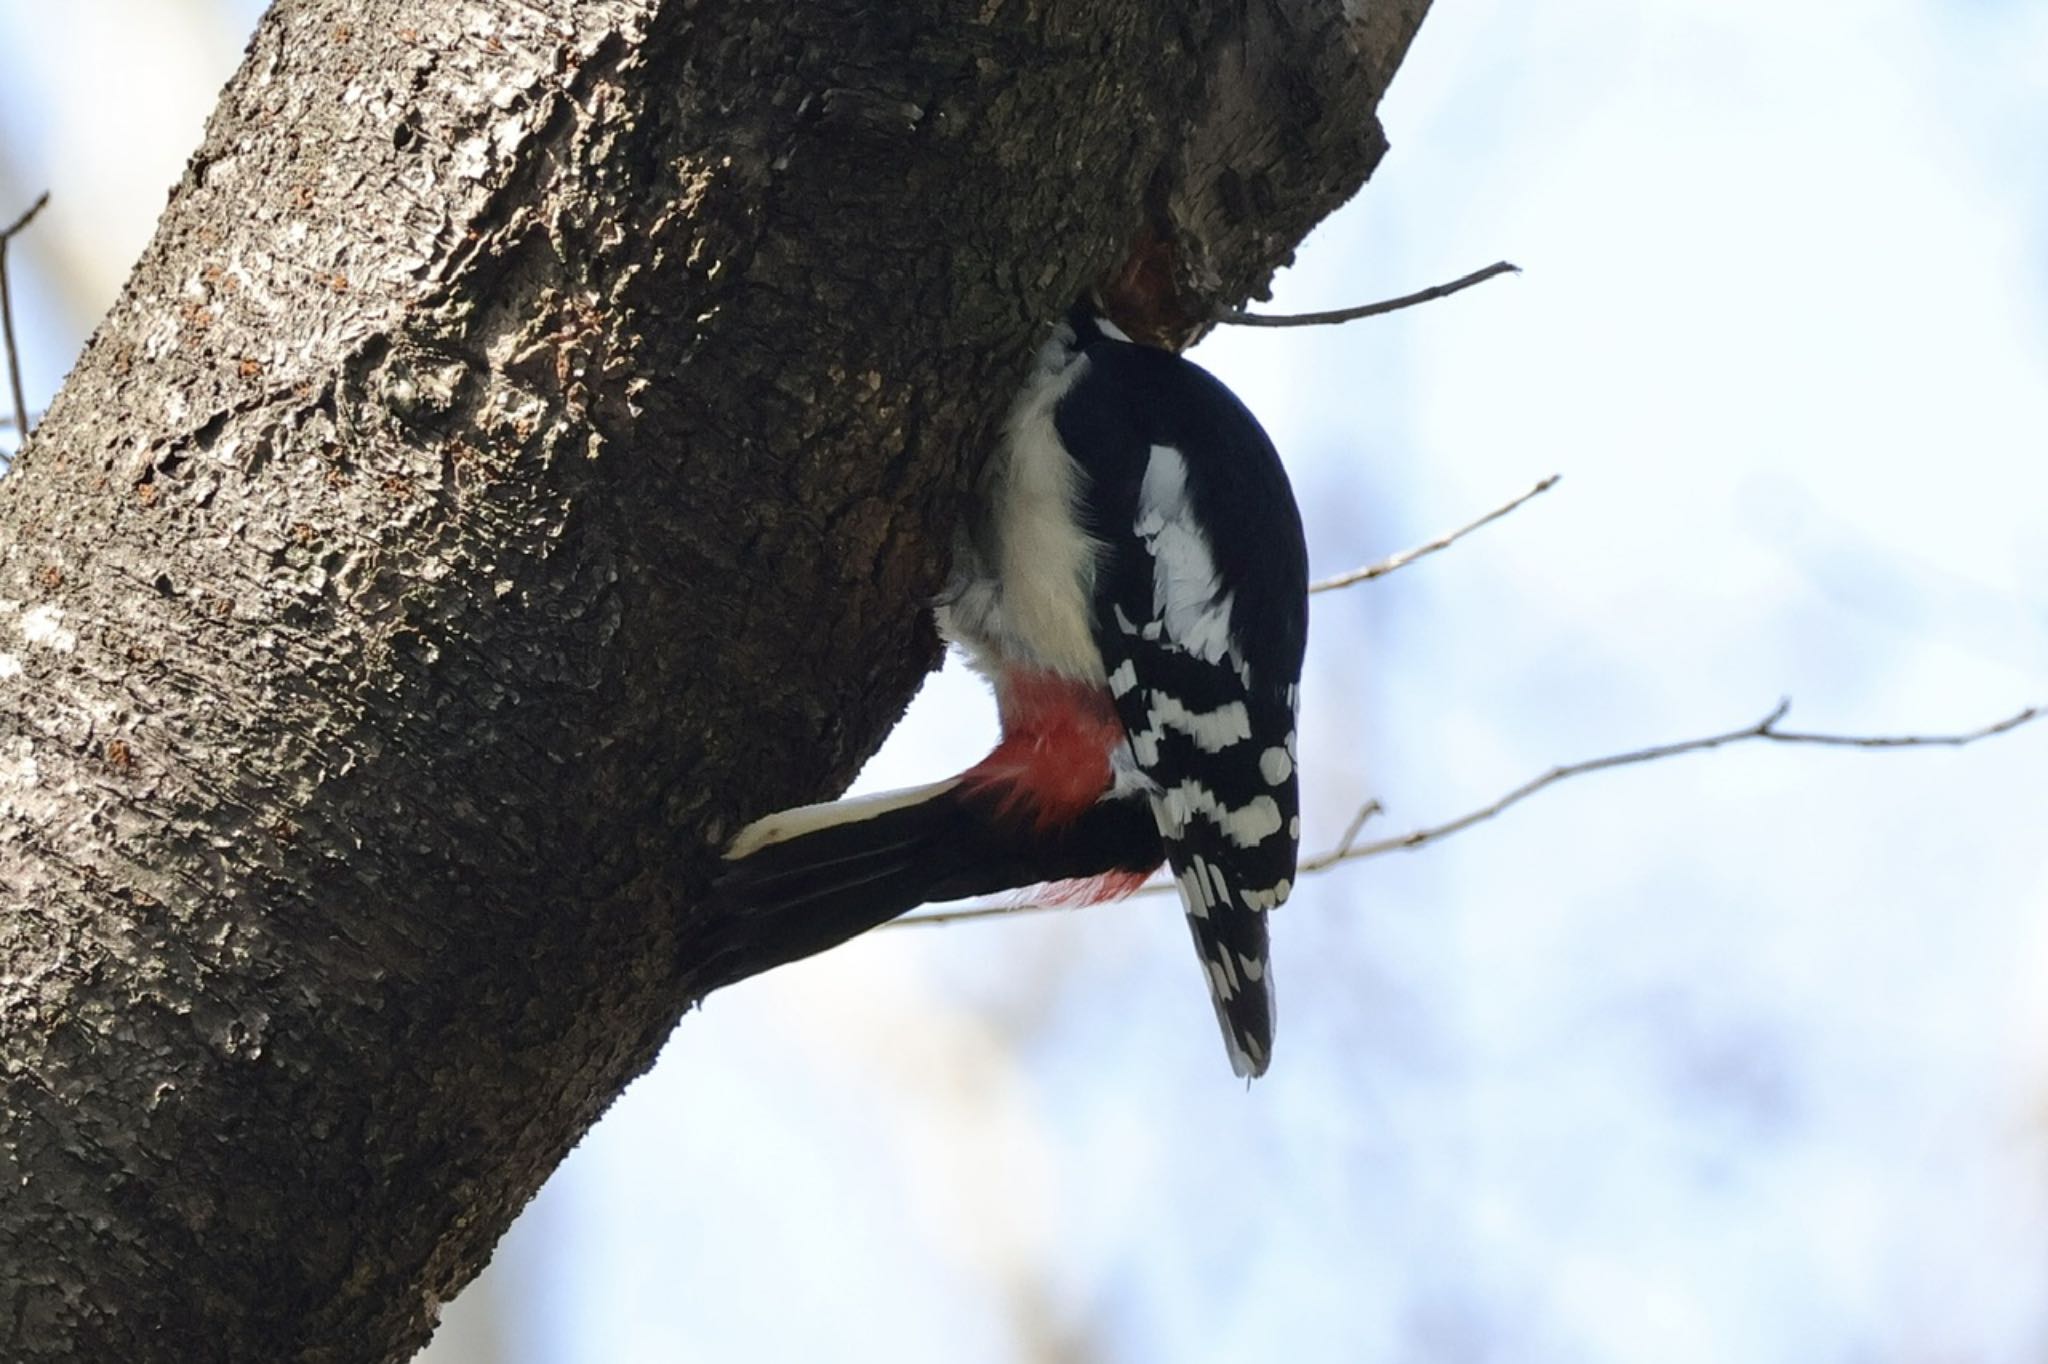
7 235
1423 551
1348 849
1237 318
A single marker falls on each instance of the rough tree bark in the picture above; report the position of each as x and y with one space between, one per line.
520 458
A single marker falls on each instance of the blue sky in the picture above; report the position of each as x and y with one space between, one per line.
1738 1057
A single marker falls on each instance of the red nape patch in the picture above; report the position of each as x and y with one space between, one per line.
1094 890
1053 761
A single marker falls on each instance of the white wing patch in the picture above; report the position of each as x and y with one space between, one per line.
1187 596
1212 730
1246 826
1276 765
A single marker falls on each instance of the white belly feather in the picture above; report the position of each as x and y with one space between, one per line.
1021 590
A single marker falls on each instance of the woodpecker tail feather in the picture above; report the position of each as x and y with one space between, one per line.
806 879
1228 920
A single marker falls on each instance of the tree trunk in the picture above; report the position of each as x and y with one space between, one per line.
522 456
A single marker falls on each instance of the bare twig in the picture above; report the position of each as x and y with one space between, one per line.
28 216
1239 318
7 313
1765 729
1357 824
1348 849
1445 541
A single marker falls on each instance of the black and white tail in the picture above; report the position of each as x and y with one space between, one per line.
806 879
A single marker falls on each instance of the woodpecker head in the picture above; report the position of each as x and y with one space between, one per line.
1087 323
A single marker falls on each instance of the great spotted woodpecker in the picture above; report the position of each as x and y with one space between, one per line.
1133 583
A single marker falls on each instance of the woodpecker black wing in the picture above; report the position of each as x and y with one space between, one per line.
1200 611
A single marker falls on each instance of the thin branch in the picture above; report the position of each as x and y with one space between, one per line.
1445 541
1357 824
1765 729
7 313
28 216
1239 318
1348 849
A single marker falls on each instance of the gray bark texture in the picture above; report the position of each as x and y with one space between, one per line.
522 456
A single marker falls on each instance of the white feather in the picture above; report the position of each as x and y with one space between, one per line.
1212 730
784 825
1250 824
1187 595
1022 591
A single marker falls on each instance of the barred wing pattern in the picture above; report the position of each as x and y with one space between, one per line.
1200 615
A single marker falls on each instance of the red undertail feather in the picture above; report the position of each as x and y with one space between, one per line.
1092 890
1054 759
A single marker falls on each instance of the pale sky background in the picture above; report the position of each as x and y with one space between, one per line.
1735 1058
